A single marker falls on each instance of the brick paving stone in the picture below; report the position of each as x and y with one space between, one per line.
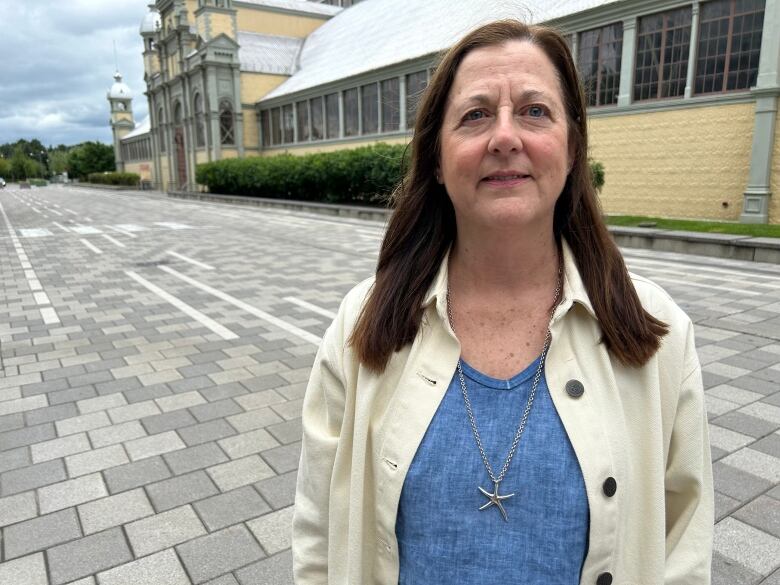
244 444
734 394
138 473
756 463
222 391
724 505
31 477
197 457
101 403
114 386
274 530
133 411
276 570
114 510
17 508
168 421
769 445
189 384
23 404
254 419
279 491
116 434
754 549
762 410
746 424
41 533
726 571
87 556
179 401
284 458
157 569
179 490
154 445
71 493
207 431
288 431
762 513
27 436
96 460
56 448
226 580
218 409
231 508
11 422
30 570
736 483
147 393
755 384
239 472
165 530
72 395
260 399
50 414
79 424
14 459
218 553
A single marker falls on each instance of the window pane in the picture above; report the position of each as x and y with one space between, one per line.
265 124
332 115
317 127
599 58
662 54
391 114
303 121
276 126
415 86
369 102
351 118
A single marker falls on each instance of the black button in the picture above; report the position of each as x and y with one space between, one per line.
610 487
604 579
574 388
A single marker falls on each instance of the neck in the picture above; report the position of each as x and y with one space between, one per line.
495 262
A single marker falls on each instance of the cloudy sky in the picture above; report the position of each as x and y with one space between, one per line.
58 63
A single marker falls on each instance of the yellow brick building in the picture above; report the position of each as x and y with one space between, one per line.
682 94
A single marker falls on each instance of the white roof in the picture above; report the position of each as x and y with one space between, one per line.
142 128
119 90
261 53
298 5
376 33
151 21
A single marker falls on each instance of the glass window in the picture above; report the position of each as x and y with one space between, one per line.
200 134
288 124
663 43
332 115
391 115
351 114
415 85
276 126
265 125
302 109
729 45
317 124
226 128
600 52
369 105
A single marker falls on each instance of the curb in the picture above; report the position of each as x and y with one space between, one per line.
729 246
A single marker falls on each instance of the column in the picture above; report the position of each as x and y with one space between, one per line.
402 103
627 61
692 51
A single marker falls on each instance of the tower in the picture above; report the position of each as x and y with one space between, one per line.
121 99
215 17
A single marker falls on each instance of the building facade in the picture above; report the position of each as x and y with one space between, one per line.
682 94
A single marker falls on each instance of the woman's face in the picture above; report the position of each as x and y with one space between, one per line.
504 139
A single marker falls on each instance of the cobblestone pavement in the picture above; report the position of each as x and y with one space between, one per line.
154 358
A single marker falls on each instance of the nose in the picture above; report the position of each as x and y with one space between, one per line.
505 137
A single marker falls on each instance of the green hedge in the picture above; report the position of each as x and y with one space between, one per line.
38 182
360 175
129 179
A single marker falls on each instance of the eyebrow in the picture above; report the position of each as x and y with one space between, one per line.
525 96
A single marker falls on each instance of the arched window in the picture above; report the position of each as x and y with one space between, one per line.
177 114
161 129
226 130
200 135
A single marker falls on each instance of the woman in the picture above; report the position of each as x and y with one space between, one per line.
503 402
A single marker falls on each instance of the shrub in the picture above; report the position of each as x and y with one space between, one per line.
127 179
38 182
597 174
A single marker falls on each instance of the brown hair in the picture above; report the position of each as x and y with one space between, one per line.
422 227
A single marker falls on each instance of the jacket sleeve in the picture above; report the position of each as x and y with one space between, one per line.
323 409
689 488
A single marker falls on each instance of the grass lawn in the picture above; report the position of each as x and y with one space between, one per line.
690 225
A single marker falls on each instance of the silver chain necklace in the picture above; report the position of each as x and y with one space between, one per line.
494 498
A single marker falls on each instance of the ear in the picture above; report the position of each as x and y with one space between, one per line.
439 180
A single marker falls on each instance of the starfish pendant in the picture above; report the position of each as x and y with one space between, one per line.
494 499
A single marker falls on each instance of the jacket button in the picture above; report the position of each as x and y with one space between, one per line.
609 487
574 388
604 579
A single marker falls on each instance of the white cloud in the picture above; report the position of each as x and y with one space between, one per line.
58 65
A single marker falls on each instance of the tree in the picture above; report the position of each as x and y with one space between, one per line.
5 168
58 161
23 167
90 157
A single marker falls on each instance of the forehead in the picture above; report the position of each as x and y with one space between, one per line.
521 64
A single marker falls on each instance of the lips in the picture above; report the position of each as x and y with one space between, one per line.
505 177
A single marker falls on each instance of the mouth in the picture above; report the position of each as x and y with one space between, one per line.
506 179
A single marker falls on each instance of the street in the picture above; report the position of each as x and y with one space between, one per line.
154 357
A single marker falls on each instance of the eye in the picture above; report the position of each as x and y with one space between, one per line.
537 111
474 115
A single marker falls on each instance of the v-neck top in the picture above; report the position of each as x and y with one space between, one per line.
444 538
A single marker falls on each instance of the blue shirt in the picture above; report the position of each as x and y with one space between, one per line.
444 538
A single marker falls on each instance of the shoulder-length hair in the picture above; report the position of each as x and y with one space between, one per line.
422 227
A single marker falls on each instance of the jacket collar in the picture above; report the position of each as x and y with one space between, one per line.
573 287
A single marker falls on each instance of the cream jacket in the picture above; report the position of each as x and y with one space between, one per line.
645 428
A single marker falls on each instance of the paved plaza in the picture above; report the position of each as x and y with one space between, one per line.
153 359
